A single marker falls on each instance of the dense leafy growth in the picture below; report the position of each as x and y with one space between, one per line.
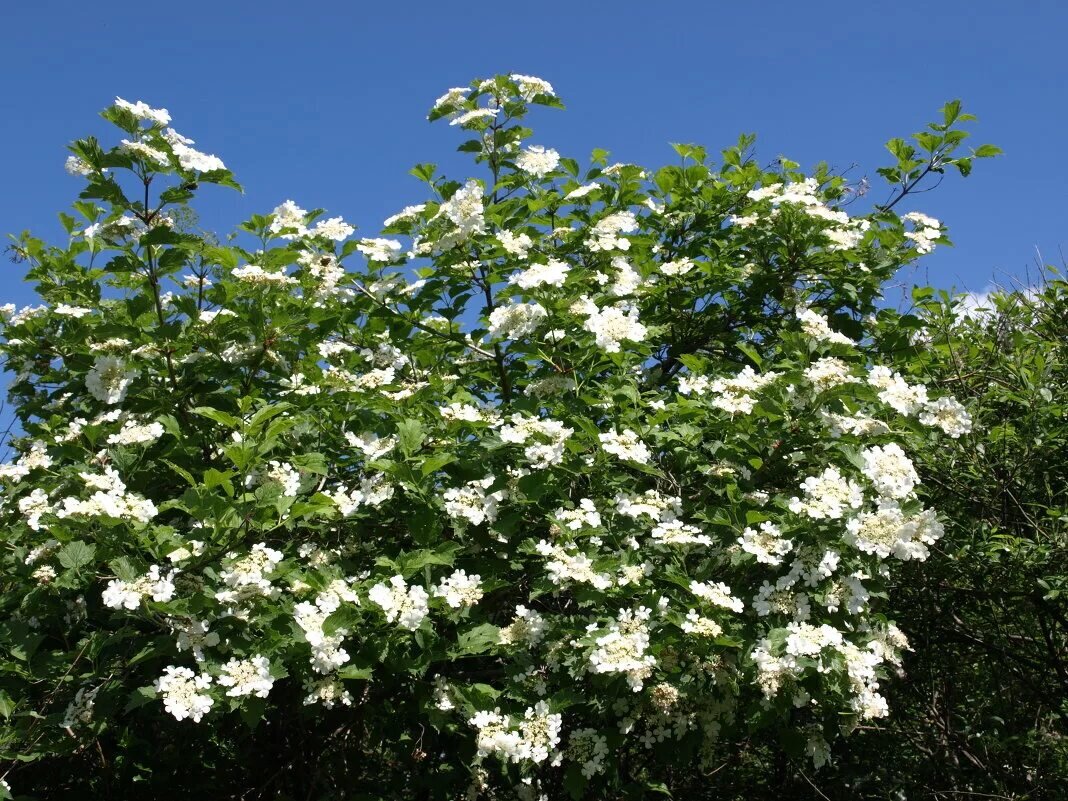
592 482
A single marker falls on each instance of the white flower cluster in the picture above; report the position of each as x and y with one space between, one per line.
471 502
194 636
828 496
183 693
465 210
549 437
110 500
606 233
611 325
767 545
552 273
925 231
528 627
537 161
733 394
716 593
155 584
36 457
246 577
584 516
843 232
533 738
370 444
326 652
563 567
626 445
188 157
459 589
135 433
142 111
108 380
888 532
254 274
815 325
623 646
250 676
401 603
516 320
890 470
373 491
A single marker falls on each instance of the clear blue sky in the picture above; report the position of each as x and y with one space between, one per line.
325 102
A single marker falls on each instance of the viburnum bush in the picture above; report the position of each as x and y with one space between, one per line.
571 475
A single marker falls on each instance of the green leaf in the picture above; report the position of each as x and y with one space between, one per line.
436 462
478 640
140 697
355 673
76 554
7 705
218 416
410 434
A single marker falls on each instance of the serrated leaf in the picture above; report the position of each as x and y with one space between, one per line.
76 554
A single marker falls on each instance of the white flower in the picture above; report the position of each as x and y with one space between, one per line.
886 532
890 470
530 86
134 433
612 325
76 312
472 503
827 373
947 414
108 380
459 589
537 161
816 326
516 321
250 676
717 593
677 267
380 249
401 603
554 273
896 393
925 231
767 544
528 627
129 594
457 94
141 110
582 191
194 636
407 213
370 444
465 209
622 648
564 566
605 234
77 167
288 218
828 496
626 445
283 474
182 692
515 244
474 114
333 228
254 274
136 149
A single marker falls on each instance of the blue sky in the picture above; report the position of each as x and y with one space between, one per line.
325 102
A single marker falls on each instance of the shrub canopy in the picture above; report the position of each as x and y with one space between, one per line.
574 475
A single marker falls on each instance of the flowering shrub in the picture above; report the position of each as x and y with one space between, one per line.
573 463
